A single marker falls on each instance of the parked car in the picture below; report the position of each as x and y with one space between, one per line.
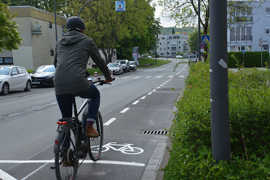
44 76
13 78
132 65
123 63
115 68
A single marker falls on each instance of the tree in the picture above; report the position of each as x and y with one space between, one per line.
117 30
193 41
9 36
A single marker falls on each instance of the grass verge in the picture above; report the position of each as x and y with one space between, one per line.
150 63
249 102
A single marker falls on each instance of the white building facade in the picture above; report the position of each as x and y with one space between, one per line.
249 29
37 30
168 45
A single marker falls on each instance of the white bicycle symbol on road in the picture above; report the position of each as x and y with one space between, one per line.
123 148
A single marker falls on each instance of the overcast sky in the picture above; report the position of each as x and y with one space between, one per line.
165 21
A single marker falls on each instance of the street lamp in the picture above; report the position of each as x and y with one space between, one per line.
199 30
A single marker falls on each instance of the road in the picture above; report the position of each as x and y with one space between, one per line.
137 103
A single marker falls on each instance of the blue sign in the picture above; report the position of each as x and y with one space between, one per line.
205 37
120 6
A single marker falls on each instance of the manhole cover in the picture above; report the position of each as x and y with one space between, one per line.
155 132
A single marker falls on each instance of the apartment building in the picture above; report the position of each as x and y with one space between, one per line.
37 30
249 26
169 44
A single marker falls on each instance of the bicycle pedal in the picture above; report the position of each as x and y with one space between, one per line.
52 167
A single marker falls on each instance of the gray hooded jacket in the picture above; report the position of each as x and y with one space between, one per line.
72 54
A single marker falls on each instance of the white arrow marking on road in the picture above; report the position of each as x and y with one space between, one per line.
109 121
85 161
124 110
6 176
135 102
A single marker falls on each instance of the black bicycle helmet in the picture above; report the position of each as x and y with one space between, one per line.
75 23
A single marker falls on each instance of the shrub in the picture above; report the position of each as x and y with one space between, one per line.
247 59
249 102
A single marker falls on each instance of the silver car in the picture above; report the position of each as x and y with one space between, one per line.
14 78
115 68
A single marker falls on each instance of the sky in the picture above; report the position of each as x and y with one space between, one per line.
165 21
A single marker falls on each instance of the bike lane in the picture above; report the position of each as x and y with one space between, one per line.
151 113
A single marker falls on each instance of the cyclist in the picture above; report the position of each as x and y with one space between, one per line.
72 54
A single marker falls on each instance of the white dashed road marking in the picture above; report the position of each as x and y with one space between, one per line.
143 97
135 102
109 121
124 110
149 93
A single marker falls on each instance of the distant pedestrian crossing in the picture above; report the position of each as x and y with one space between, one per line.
148 77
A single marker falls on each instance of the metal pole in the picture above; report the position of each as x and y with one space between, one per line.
199 30
219 81
56 37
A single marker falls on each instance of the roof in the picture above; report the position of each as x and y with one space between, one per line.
29 11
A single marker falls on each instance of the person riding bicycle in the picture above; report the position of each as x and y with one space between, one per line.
71 58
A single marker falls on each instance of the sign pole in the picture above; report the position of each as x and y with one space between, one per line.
219 81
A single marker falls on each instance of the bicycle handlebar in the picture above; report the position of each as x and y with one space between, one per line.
99 81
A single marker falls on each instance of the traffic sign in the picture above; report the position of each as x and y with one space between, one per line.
120 6
205 37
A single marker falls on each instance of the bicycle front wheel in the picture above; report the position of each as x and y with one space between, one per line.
66 160
96 143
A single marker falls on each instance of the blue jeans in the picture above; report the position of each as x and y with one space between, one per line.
65 102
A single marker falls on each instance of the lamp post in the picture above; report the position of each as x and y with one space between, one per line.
56 37
219 81
199 30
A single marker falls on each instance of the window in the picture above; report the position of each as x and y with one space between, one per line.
267 10
265 47
50 25
14 71
238 33
173 48
232 34
8 60
21 70
267 31
52 52
1 60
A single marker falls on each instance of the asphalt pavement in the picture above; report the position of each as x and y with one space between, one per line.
137 112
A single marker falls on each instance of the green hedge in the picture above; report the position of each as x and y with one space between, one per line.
249 102
247 59
148 62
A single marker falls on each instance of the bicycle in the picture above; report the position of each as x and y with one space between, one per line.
71 145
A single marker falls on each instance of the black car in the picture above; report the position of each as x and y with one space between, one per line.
44 76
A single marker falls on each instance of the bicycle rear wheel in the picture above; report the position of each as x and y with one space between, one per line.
66 159
96 143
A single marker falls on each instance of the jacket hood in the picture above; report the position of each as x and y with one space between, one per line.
72 37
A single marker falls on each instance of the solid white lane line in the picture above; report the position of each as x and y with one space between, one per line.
124 110
6 176
35 171
109 121
143 97
85 161
135 102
